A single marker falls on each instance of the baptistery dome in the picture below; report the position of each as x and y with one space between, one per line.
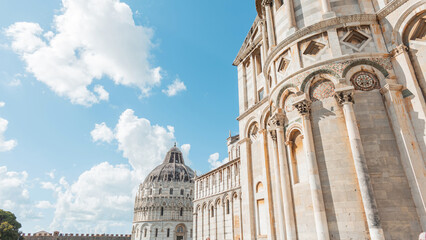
173 169
163 204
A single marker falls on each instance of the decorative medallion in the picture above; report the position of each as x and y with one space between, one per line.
321 89
364 81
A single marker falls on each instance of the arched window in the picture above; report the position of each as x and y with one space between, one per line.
212 211
190 192
160 190
168 232
162 211
144 234
181 212
262 212
171 191
150 191
227 206
181 192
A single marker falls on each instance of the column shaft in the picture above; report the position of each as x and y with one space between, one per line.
314 181
325 4
286 187
278 189
367 195
254 78
270 25
268 186
288 4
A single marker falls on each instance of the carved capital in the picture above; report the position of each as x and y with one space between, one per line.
398 50
303 106
266 2
344 95
277 120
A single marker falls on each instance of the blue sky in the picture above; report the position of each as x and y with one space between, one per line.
90 101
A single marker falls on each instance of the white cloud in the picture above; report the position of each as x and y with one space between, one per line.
174 88
102 93
91 39
102 133
5 145
51 174
14 194
44 205
101 200
215 162
143 144
2 104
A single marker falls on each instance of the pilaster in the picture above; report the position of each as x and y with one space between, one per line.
411 156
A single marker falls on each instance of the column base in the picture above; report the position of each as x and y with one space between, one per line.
328 15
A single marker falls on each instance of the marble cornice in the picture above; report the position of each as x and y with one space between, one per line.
252 108
217 169
342 21
389 8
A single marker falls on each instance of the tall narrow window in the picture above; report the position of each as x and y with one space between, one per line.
212 210
261 94
181 192
144 234
171 191
227 206
162 211
181 212
156 232
160 190
168 232
150 191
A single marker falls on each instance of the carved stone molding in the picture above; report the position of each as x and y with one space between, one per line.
361 19
389 8
398 50
344 95
391 87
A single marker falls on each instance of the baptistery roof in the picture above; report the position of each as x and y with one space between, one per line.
173 169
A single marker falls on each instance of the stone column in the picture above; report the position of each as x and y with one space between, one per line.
245 97
215 219
411 157
269 22
268 185
223 218
278 188
288 4
232 216
277 122
247 189
345 97
241 220
254 78
195 224
326 9
264 37
303 105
